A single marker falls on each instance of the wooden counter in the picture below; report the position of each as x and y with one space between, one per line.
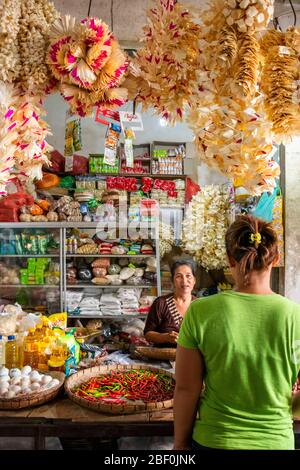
64 418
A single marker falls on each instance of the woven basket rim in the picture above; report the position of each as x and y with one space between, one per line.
157 353
36 398
84 375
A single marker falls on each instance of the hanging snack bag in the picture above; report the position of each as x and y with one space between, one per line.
77 142
111 144
69 143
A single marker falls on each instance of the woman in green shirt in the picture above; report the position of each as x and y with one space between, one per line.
245 345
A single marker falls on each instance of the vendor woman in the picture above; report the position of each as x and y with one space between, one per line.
167 311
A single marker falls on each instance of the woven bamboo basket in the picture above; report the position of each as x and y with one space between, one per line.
167 354
129 408
36 398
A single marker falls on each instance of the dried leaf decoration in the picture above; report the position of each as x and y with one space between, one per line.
227 115
280 82
163 73
88 62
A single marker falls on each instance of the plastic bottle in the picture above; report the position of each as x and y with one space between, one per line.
31 350
11 353
58 358
2 351
45 348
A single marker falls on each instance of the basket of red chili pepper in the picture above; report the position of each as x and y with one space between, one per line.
120 389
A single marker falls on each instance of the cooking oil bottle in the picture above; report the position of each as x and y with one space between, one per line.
11 353
2 351
45 347
58 358
31 350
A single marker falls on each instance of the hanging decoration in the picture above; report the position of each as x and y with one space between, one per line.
32 148
166 239
8 133
10 66
163 72
227 116
280 82
205 224
24 40
36 18
88 62
23 148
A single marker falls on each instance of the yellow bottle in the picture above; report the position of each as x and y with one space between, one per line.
58 358
39 332
31 350
11 353
45 348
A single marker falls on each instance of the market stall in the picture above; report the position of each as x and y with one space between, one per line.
91 222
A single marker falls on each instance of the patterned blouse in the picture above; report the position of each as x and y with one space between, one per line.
164 316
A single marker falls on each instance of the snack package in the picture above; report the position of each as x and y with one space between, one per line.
58 320
73 350
77 142
69 144
111 144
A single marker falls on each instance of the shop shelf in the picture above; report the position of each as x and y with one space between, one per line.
30 256
98 286
108 256
108 317
55 286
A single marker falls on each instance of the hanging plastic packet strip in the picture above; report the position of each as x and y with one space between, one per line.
77 142
128 147
111 144
69 142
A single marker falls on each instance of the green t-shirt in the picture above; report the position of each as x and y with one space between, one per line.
250 344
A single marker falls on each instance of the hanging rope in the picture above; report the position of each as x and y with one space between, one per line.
89 10
112 15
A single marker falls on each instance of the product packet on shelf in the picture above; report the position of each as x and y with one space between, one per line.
58 320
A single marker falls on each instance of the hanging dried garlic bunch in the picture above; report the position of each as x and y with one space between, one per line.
89 63
280 82
10 67
163 73
208 217
36 19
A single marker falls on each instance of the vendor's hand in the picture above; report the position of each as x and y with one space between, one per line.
171 337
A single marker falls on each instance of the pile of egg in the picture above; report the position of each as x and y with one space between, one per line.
17 382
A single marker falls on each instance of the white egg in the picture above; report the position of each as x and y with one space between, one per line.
10 394
15 381
4 379
25 381
15 388
25 387
35 386
34 376
26 370
46 379
4 372
14 373
3 390
54 382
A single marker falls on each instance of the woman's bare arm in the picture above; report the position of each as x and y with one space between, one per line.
189 381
